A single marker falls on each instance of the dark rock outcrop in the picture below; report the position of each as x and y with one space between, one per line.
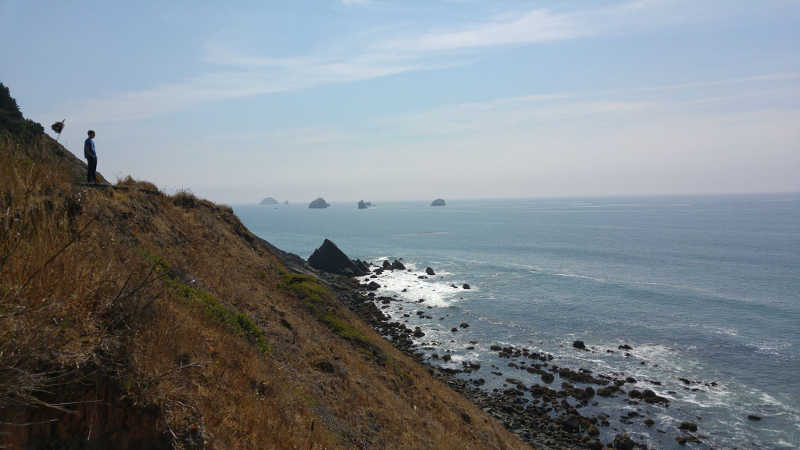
429 271
624 442
579 345
319 203
438 202
364 205
330 259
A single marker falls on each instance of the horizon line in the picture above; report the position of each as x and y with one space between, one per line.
544 197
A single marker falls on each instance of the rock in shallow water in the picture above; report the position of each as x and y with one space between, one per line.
330 259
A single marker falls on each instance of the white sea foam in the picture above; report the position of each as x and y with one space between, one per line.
773 348
582 277
437 290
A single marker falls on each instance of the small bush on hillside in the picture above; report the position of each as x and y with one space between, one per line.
137 184
185 199
11 118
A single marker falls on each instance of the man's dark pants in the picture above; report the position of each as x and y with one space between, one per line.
91 177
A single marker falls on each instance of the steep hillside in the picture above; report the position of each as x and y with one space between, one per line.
134 319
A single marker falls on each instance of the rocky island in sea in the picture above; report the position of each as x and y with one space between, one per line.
438 202
268 201
319 203
364 205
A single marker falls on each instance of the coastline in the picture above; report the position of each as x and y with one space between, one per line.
605 272
543 414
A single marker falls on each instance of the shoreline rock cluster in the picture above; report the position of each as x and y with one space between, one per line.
539 414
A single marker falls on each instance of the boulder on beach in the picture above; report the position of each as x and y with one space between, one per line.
268 201
329 258
438 202
429 271
624 442
319 203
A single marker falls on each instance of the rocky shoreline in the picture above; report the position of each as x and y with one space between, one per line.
543 414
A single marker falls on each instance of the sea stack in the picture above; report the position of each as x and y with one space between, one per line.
319 203
330 259
268 201
438 202
364 205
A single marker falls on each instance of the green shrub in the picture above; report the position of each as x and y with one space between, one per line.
212 307
323 306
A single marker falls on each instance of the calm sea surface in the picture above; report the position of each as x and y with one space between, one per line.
703 288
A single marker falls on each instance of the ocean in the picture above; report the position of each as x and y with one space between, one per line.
704 288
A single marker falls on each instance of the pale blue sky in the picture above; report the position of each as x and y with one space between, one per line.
384 100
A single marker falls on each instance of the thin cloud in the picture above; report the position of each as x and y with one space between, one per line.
252 76
240 75
532 27
545 25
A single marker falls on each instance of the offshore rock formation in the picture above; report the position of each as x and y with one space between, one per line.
319 203
268 201
438 202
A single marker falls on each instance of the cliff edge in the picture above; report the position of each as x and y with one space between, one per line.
134 319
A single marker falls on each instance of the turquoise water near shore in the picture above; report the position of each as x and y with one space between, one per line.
703 288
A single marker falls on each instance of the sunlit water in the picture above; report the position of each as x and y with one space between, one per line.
703 288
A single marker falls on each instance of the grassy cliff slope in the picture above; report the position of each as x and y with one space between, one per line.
134 319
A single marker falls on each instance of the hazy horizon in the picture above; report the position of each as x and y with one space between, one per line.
387 101
377 202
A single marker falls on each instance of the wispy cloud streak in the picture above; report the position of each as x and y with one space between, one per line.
234 74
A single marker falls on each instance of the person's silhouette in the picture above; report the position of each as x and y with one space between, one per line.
91 158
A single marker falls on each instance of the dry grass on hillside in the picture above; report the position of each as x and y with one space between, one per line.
176 308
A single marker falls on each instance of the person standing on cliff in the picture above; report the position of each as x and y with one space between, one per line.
91 158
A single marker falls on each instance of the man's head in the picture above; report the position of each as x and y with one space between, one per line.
91 134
